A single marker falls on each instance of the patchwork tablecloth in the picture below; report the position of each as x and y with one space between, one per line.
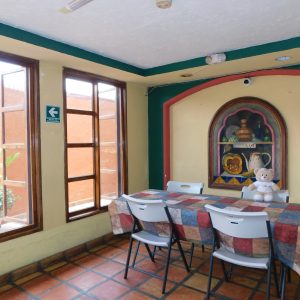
193 223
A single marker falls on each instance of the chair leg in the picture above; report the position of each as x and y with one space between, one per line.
183 256
149 252
276 278
269 281
191 254
202 246
136 253
211 265
224 270
167 268
282 283
289 275
128 258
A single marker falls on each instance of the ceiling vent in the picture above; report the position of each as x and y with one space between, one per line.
73 5
163 3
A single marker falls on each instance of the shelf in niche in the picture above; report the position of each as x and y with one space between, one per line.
245 145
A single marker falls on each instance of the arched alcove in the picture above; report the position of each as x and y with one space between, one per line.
246 133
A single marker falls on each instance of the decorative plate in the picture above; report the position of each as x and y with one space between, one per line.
232 163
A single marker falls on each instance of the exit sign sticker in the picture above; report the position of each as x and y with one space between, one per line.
52 114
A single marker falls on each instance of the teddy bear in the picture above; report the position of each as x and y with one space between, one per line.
264 185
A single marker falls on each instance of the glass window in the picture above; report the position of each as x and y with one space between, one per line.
95 152
20 207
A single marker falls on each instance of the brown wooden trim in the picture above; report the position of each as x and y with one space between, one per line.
79 112
94 79
82 75
80 145
80 178
32 110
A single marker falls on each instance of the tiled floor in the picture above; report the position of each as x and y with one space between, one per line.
98 274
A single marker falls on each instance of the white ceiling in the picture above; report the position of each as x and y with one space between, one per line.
138 33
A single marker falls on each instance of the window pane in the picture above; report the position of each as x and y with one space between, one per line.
79 128
80 161
79 94
108 142
14 87
81 195
15 127
16 164
109 186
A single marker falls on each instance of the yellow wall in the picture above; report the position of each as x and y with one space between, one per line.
57 234
190 119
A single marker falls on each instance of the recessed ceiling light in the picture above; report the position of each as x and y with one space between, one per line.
282 58
186 75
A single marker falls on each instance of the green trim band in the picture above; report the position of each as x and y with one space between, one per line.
38 40
41 41
230 55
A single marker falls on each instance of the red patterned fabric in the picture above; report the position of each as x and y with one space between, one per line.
193 223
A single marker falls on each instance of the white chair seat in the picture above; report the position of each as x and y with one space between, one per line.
151 239
245 261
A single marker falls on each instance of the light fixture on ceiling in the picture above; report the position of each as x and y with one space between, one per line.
163 3
215 58
186 75
73 5
283 58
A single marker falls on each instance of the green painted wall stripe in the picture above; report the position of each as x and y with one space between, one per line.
230 55
38 40
41 41
156 99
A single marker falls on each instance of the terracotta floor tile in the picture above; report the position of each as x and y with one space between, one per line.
109 290
200 281
175 273
262 296
136 296
14 294
233 291
40 284
153 286
149 266
67 272
55 266
90 261
133 278
184 293
244 281
87 280
61 292
109 252
121 258
109 268
27 278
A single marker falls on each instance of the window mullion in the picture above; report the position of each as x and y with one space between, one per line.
97 147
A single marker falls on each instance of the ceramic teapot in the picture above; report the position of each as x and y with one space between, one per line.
256 160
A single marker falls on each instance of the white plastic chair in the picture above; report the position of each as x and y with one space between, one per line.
151 211
278 196
252 225
185 187
190 188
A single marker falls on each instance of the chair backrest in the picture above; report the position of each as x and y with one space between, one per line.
147 210
278 196
185 187
239 224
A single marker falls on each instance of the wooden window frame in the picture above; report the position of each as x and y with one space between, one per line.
34 145
121 141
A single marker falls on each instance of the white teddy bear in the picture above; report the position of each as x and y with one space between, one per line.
264 185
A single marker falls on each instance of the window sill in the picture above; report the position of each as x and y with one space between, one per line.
87 214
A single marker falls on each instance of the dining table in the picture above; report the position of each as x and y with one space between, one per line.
193 223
